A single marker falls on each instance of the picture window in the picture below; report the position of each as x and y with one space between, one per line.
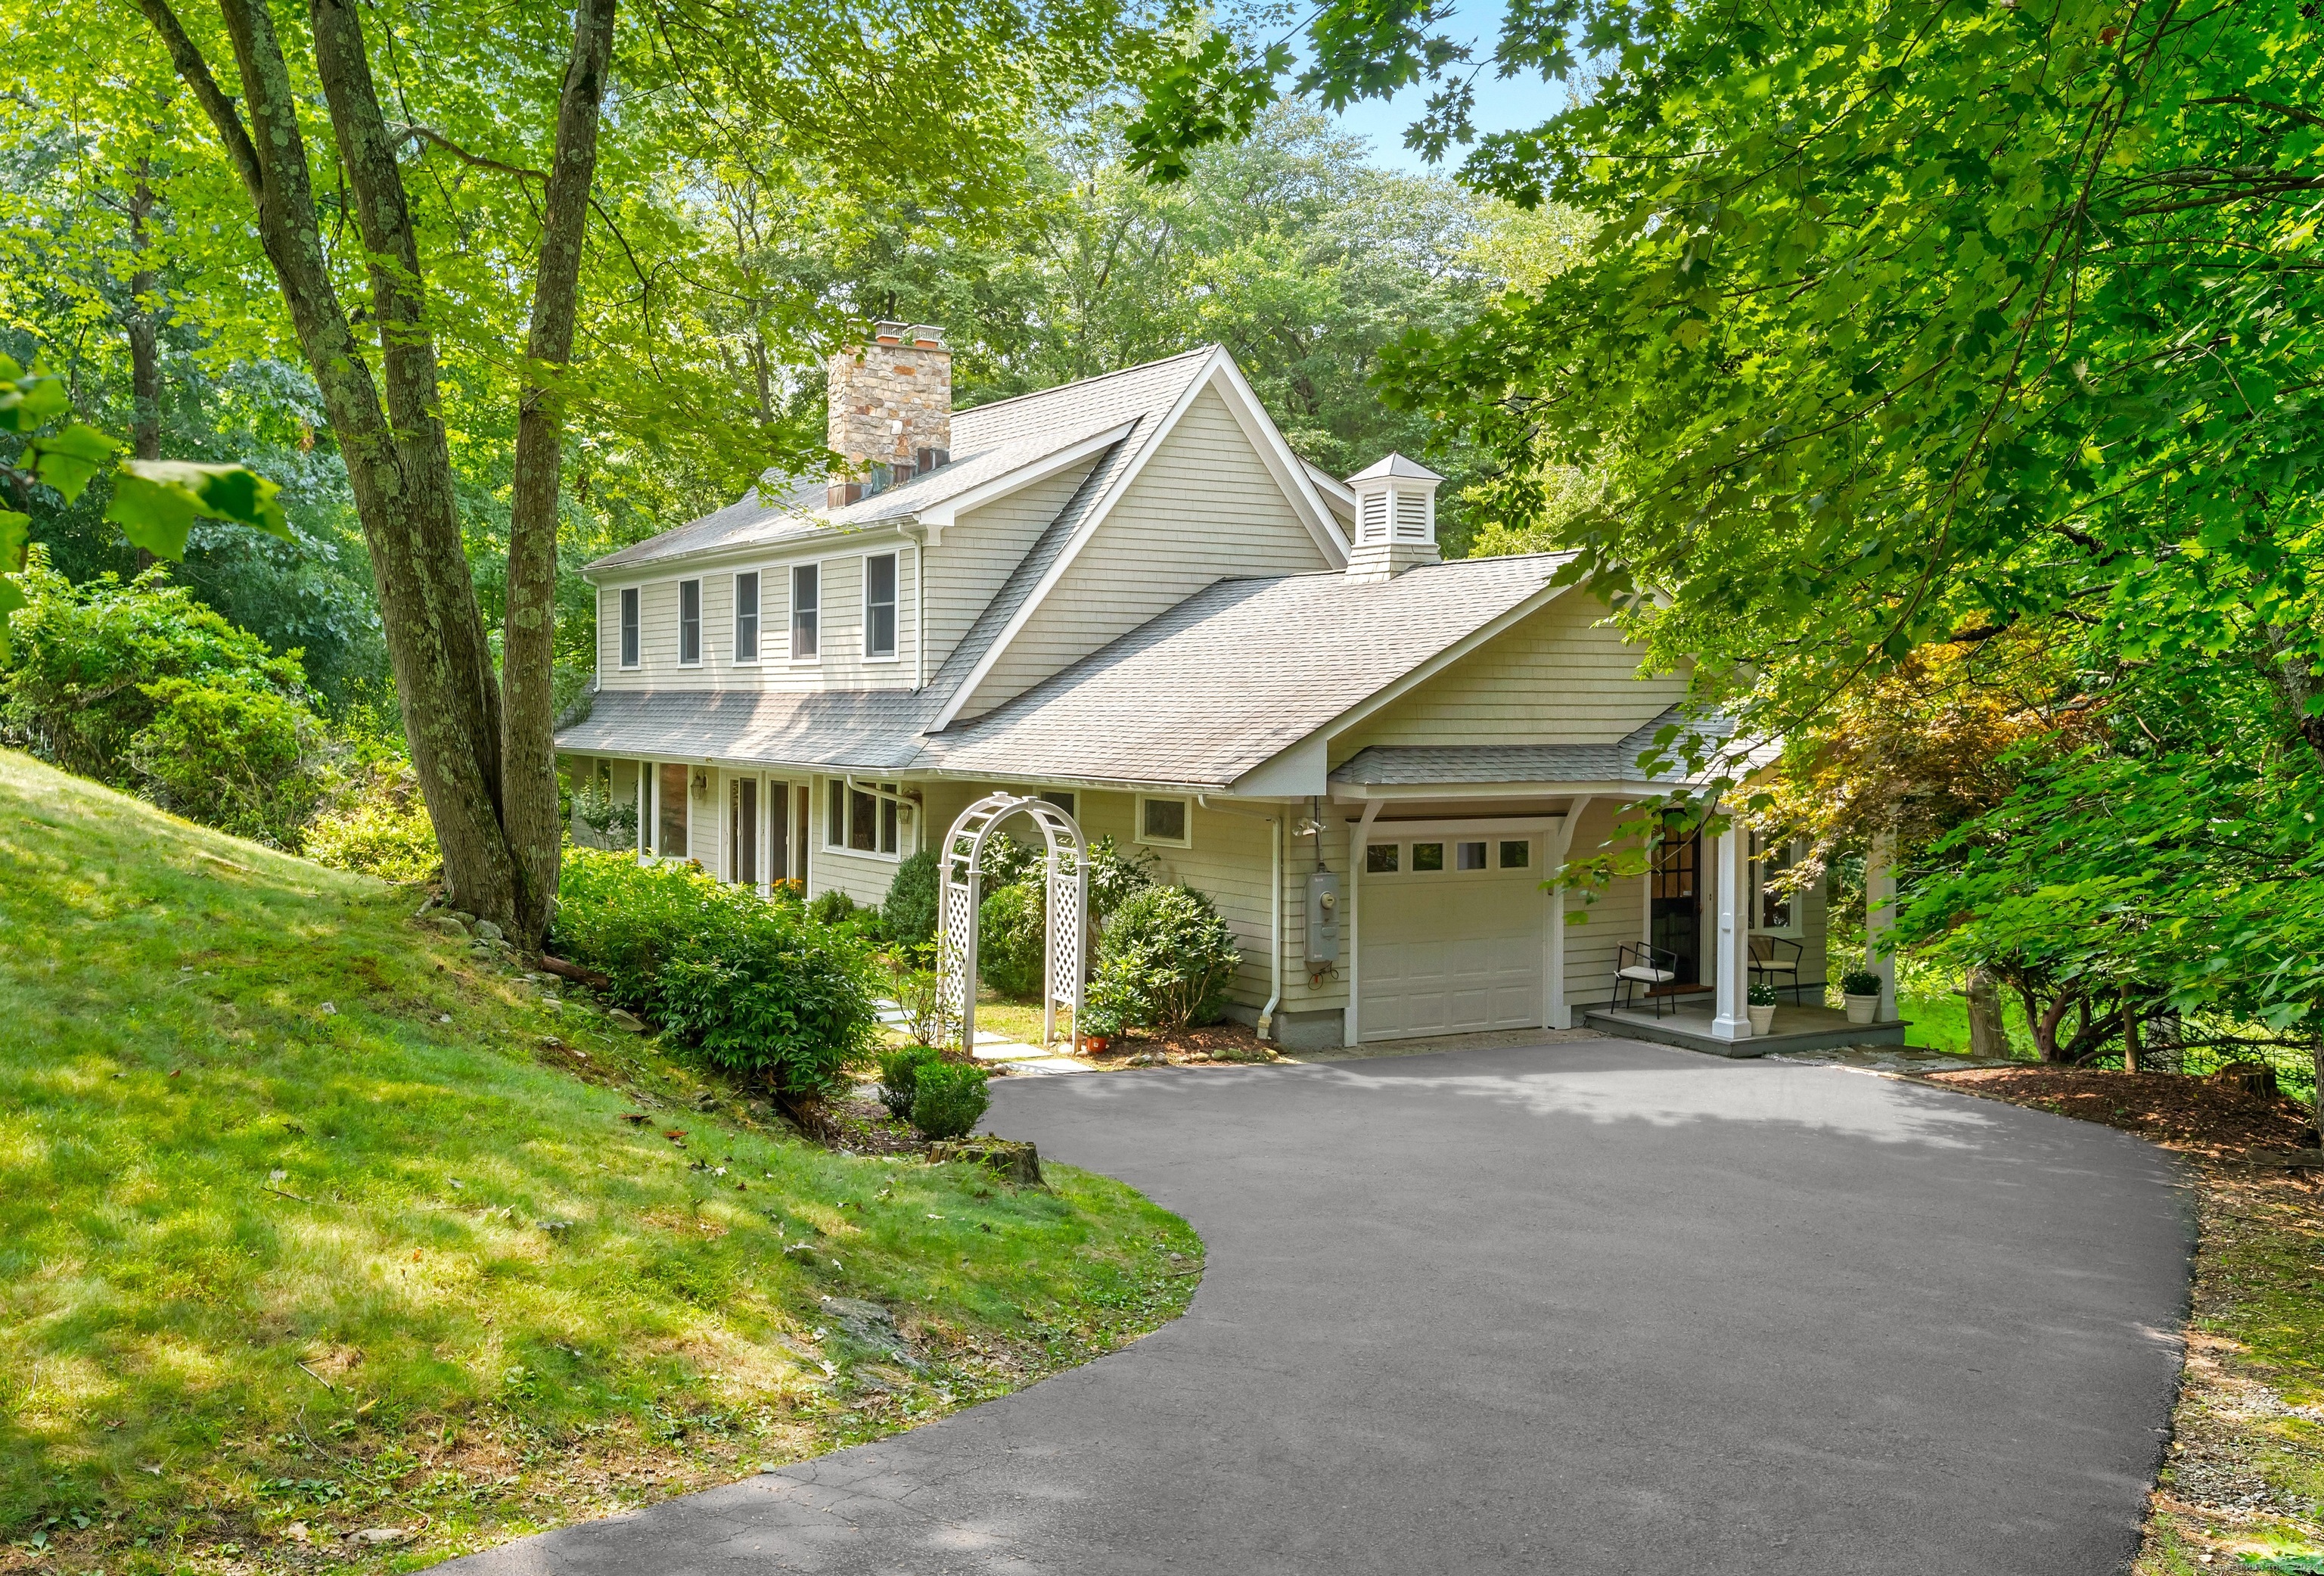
1063 799
860 821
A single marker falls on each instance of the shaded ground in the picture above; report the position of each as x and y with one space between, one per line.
1590 1306
2244 1476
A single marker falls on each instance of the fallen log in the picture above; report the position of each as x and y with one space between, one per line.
574 972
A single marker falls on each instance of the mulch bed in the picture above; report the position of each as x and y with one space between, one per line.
2215 1122
1214 1044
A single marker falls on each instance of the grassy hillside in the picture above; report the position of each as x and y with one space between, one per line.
314 1223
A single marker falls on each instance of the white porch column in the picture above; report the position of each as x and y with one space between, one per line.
1879 919
1732 860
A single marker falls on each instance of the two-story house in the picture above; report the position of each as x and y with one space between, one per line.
1130 595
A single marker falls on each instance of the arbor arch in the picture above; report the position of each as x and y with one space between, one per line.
959 891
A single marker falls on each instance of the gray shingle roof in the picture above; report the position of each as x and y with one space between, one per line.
988 442
1418 765
1235 674
869 729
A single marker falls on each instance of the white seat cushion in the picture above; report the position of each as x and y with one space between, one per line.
1774 966
1640 971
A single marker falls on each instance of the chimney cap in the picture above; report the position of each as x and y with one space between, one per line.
1395 468
925 336
886 333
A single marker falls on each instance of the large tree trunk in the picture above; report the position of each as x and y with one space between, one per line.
1987 1036
529 799
144 341
399 465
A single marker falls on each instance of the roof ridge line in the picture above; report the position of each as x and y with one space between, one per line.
1120 372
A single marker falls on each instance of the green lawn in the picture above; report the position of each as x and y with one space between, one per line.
305 1230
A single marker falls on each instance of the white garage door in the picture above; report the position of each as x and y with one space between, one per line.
1450 937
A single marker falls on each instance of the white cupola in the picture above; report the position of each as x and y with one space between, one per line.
1396 519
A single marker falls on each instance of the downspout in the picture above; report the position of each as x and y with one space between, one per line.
1274 925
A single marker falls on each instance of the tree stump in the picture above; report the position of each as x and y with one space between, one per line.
1015 1162
2250 1077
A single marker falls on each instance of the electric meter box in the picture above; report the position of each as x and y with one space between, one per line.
1323 919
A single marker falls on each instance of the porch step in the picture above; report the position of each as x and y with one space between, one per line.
1797 1028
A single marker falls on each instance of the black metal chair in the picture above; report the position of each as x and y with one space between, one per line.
1641 965
1770 966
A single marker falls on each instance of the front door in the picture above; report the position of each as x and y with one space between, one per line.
1674 910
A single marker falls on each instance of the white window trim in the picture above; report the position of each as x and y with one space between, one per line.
734 613
678 628
790 612
1185 841
864 596
904 835
1797 930
622 594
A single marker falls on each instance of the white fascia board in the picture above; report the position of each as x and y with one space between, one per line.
1290 472
1291 763
937 517
1088 528
1361 793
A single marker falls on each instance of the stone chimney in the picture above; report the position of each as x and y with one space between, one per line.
890 409
1396 519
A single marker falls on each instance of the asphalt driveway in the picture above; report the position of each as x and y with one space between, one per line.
1586 1307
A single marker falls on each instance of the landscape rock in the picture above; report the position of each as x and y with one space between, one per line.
623 1018
490 931
872 1327
464 916
383 1535
1014 1161
448 924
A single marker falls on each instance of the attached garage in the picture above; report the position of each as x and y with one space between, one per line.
1453 936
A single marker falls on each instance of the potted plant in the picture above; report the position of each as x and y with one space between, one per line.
1860 992
1760 1003
1099 1025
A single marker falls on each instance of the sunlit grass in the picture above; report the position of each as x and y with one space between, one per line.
293 1192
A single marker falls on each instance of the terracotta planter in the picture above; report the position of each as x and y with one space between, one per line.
1763 1020
1861 1009
1097 1045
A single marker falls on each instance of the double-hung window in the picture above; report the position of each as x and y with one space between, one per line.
689 623
880 605
746 616
806 599
860 821
629 626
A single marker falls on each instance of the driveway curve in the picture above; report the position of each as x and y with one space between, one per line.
1593 1307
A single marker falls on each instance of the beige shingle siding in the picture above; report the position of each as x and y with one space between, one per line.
842 665
1204 507
1563 676
980 551
1616 920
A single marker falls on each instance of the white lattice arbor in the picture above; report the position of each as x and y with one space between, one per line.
961 889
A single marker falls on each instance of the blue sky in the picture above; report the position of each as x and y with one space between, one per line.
1519 101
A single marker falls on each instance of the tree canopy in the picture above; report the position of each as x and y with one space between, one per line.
1906 326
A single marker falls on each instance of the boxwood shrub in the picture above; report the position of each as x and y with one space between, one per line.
948 1099
754 985
1168 946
